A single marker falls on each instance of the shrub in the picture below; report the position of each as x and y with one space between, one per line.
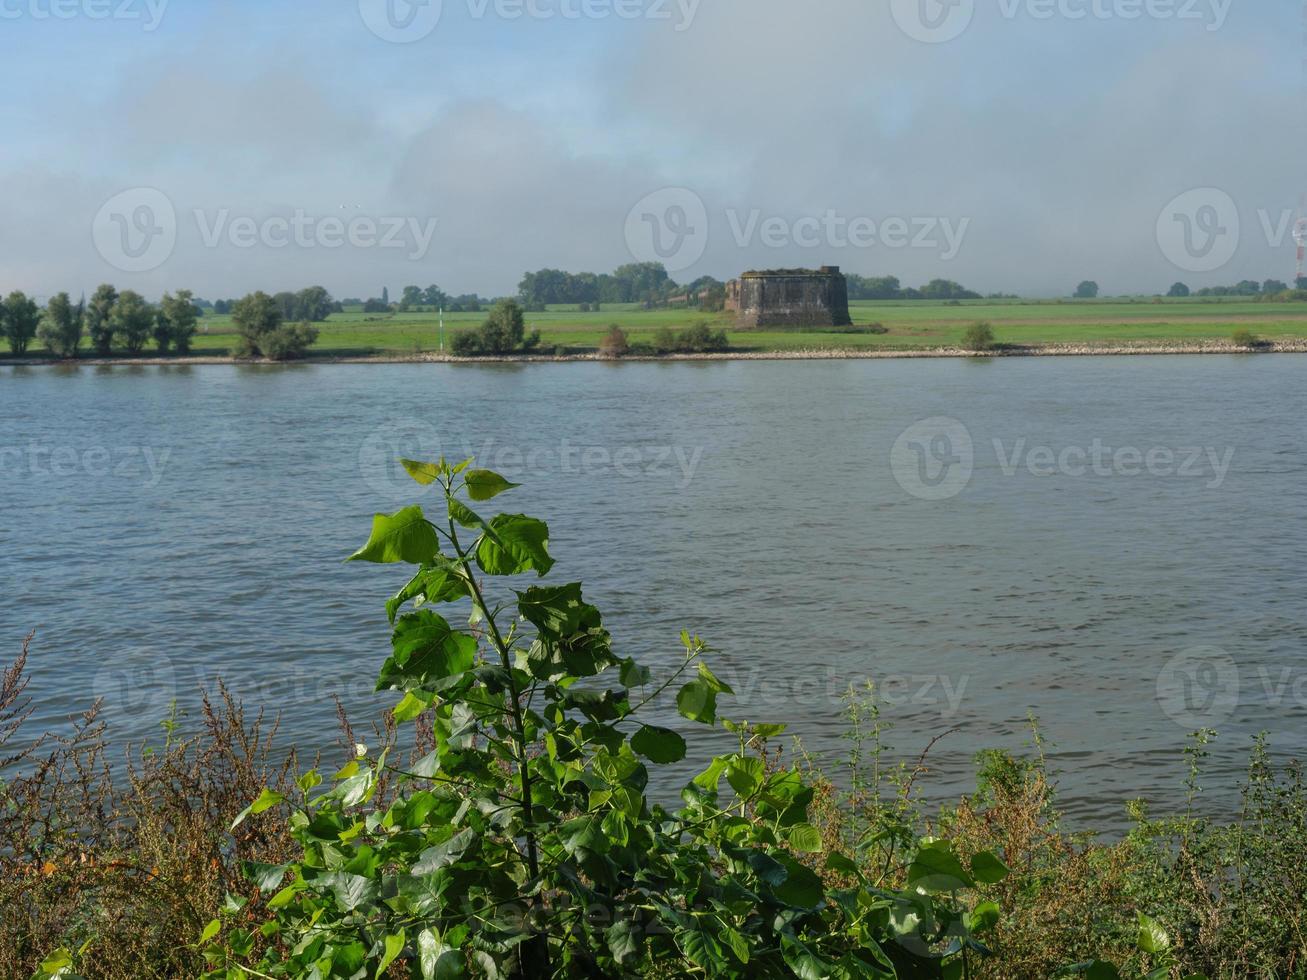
503 332
464 343
1246 339
527 844
615 343
258 319
289 341
700 338
979 337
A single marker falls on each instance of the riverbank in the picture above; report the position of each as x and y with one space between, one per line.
817 354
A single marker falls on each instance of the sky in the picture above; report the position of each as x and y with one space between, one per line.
1012 145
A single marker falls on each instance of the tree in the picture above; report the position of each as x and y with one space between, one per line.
315 304
412 297
255 316
132 321
1273 286
177 318
435 297
504 332
61 331
99 319
1179 291
21 318
263 332
385 295
1087 290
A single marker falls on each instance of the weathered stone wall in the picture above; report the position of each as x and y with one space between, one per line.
790 298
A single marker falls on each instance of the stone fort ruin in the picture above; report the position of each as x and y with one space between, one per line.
790 298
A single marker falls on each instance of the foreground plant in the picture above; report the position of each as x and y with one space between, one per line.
530 842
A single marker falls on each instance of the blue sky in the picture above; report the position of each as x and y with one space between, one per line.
1034 149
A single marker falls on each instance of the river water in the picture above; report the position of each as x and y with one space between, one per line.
1114 545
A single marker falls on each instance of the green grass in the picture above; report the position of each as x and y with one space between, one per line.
912 326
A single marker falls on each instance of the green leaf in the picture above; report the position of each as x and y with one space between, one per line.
266 801
937 869
515 544
988 869
485 485
426 651
1152 937
745 774
424 473
702 948
394 946
412 705
436 960
442 855
801 887
266 877
660 745
698 702
805 838
558 611
983 917
710 679
211 930
405 536
624 941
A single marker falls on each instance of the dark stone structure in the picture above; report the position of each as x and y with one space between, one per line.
790 298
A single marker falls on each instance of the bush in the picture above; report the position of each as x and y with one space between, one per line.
700 338
503 332
979 337
1246 339
464 343
615 343
289 341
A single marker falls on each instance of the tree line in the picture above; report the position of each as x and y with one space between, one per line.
109 319
310 305
266 326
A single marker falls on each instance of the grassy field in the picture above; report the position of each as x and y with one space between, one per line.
911 326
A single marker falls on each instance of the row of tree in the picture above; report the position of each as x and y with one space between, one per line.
1248 287
311 305
110 319
889 287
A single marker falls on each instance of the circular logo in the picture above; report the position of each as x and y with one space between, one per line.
1199 688
136 231
934 459
668 226
138 687
401 21
933 21
381 452
1199 230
